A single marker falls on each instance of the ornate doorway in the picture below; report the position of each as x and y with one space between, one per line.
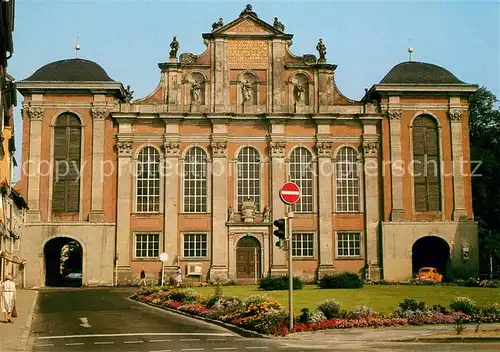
248 258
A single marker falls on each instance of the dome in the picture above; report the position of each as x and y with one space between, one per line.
70 70
419 73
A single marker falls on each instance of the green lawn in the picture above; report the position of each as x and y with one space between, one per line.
383 299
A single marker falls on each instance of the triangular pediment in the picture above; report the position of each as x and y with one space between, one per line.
248 25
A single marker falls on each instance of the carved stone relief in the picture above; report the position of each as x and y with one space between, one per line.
98 112
124 148
35 112
324 149
219 148
371 148
456 115
394 114
172 148
277 149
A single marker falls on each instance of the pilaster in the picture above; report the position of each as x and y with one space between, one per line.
371 152
277 147
278 85
219 258
325 211
124 208
98 112
221 76
395 114
35 113
171 146
455 114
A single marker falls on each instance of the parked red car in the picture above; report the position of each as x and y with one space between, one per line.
429 273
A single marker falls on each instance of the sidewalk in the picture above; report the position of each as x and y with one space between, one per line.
362 336
14 336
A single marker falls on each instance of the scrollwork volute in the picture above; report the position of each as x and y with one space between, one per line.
98 112
172 148
35 112
277 149
371 149
455 115
219 148
124 148
324 149
394 114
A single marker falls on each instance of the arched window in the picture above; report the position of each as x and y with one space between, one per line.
195 181
248 168
148 181
67 155
301 174
426 164
347 177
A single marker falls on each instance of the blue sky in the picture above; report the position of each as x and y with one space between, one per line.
364 38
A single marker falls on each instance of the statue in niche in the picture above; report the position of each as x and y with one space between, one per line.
266 215
175 47
299 90
218 24
248 210
196 91
278 25
321 47
247 91
230 214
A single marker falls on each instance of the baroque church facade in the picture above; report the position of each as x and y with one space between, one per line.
194 169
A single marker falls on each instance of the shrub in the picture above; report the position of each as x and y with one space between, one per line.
304 316
330 308
364 312
463 304
278 283
412 305
269 320
342 280
494 309
317 316
183 295
228 304
255 299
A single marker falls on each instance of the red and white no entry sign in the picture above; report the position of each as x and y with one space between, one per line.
290 193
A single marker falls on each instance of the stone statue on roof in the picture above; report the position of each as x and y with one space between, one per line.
278 25
175 47
218 24
248 11
129 94
321 47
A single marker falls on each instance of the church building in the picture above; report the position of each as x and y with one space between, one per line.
194 169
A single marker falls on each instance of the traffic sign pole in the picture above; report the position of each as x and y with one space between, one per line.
290 270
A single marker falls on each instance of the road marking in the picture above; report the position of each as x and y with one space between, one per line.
85 323
216 339
74 344
193 349
103 343
189 340
161 351
45 345
164 340
133 341
224 348
136 334
256 348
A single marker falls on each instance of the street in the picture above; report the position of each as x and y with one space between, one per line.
106 319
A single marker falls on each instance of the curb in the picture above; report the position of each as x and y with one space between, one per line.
25 339
231 327
469 339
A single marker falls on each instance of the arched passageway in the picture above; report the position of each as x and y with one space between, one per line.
63 262
431 251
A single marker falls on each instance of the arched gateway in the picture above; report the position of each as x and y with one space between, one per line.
248 258
63 262
431 251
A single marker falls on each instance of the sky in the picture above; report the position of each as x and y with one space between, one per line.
364 38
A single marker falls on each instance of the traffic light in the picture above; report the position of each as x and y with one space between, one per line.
281 231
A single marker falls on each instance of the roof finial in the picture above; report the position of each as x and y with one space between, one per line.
77 46
410 51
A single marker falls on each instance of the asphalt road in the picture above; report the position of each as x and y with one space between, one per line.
106 320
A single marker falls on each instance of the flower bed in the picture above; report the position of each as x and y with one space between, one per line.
260 314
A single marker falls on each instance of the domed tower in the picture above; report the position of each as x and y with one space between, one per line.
65 150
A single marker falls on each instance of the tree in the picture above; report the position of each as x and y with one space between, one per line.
484 127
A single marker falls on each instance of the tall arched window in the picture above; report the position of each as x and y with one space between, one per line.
426 164
67 155
195 181
248 168
301 174
347 177
148 181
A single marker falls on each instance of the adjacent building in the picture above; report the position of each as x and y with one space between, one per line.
193 170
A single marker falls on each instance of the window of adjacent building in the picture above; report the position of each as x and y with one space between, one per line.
148 181
302 244
347 180
348 244
195 181
248 168
67 155
195 245
147 245
426 164
301 174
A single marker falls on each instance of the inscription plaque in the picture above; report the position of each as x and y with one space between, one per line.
248 54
